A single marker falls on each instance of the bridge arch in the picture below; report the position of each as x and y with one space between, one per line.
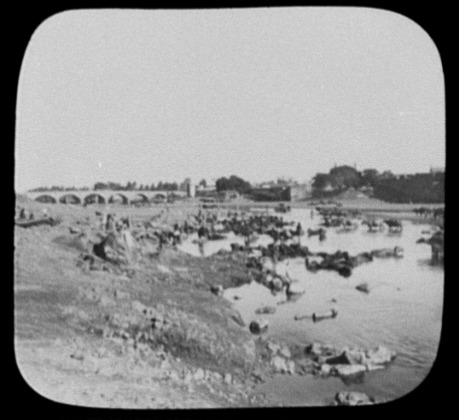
70 199
94 199
46 199
158 198
117 197
174 196
140 198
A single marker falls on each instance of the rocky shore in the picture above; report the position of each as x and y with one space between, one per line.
152 332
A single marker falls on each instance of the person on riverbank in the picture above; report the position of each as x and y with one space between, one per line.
322 235
299 232
128 241
203 234
176 239
22 213
109 222
202 231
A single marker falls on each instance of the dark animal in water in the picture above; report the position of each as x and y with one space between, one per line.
313 232
339 261
396 252
373 225
436 242
395 226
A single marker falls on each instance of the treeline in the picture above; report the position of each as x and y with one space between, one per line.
271 194
418 188
133 186
233 183
415 188
59 188
277 192
115 186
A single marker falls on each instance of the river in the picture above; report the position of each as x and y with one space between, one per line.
402 311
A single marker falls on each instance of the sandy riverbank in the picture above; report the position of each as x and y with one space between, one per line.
147 335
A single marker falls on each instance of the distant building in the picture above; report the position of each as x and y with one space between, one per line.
266 185
206 192
367 191
229 195
188 187
209 189
300 192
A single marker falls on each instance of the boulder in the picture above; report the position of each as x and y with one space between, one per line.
326 369
285 352
317 349
371 367
295 289
290 367
348 370
265 310
348 357
352 398
279 364
258 326
380 355
217 290
199 374
138 306
276 284
273 347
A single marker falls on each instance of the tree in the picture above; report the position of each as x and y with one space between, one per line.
203 183
369 177
100 186
232 183
387 175
321 181
343 177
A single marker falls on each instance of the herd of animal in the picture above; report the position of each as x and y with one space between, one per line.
437 213
284 246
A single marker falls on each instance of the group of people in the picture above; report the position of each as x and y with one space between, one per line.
24 214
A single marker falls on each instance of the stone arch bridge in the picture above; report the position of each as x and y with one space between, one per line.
104 196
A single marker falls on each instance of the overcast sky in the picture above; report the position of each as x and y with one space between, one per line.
160 95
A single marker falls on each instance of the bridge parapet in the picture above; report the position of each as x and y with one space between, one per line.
102 196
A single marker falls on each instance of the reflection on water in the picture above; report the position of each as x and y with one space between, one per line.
403 309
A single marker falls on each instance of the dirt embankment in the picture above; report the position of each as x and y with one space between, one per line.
144 335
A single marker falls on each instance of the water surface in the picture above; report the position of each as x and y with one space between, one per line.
402 311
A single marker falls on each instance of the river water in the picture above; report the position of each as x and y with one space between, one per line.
402 311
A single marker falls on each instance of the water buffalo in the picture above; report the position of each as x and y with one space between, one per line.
394 225
373 225
339 261
436 242
396 252
320 232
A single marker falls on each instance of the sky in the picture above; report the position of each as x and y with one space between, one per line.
160 95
